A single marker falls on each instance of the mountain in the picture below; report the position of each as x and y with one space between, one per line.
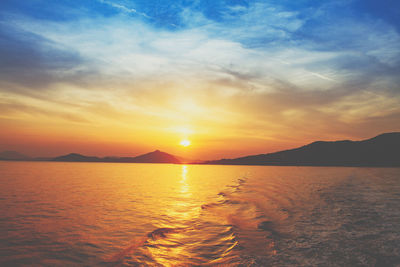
156 156
13 155
74 157
152 157
380 151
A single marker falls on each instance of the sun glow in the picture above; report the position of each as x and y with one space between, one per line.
185 143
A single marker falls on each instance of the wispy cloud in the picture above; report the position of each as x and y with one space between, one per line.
124 8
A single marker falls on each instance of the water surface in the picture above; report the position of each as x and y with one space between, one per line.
111 214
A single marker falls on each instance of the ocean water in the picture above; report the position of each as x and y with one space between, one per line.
110 214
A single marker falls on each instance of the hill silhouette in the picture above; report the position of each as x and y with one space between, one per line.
156 156
380 151
75 157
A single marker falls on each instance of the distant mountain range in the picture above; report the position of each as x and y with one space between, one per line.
156 156
380 151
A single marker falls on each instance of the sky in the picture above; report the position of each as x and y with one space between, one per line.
235 77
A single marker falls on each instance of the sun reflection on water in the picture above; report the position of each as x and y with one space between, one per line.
182 213
183 209
185 189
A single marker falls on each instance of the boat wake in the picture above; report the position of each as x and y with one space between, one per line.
233 229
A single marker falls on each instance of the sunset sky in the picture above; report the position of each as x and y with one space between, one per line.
125 77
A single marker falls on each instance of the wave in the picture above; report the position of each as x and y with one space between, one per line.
138 242
235 226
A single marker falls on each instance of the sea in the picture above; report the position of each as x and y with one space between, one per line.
122 214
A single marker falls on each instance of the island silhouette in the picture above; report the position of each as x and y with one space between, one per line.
380 151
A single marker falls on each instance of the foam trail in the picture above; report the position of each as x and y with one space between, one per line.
136 243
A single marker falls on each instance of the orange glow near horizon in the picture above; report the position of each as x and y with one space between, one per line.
215 125
40 136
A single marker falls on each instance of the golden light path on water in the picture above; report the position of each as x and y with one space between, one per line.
182 212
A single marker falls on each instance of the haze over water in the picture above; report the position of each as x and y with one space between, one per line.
58 214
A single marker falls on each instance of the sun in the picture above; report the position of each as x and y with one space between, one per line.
185 143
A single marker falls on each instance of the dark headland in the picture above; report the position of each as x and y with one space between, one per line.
380 151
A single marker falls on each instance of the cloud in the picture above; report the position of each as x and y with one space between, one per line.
124 46
33 61
125 9
30 110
